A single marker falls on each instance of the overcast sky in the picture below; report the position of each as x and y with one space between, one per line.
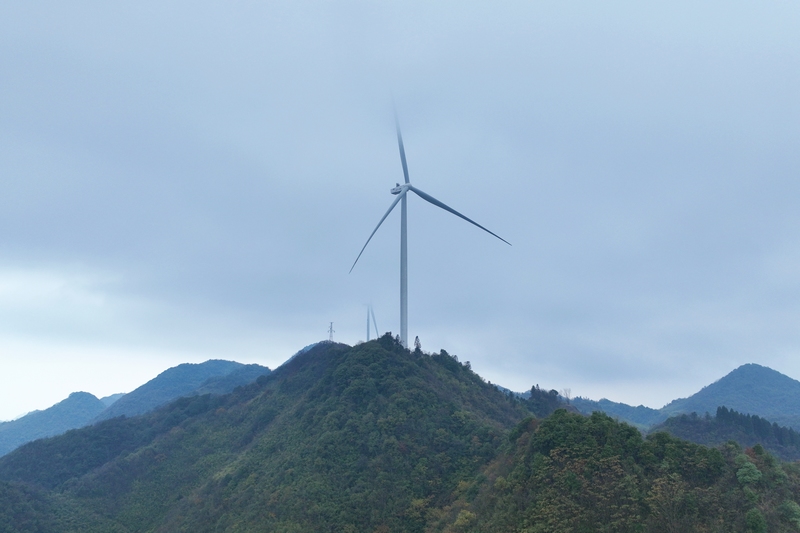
182 181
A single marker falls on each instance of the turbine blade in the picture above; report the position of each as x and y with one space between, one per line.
374 323
402 148
437 203
399 196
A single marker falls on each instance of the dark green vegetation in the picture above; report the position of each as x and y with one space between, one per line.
374 438
541 403
728 425
76 411
750 405
592 474
27 510
357 438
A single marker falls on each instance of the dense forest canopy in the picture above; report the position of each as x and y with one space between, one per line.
729 425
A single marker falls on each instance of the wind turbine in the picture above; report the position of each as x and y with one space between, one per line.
401 192
371 313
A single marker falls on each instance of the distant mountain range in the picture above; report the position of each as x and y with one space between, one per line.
214 376
378 438
81 408
640 416
108 400
76 411
750 389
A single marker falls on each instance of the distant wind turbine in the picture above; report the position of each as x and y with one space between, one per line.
371 313
400 191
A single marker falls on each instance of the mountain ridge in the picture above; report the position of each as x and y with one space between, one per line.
77 410
82 408
342 435
182 380
377 438
749 389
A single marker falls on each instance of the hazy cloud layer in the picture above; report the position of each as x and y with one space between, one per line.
194 180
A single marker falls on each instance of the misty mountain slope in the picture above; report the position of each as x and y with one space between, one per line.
75 411
108 400
750 389
639 416
341 438
226 383
82 408
218 377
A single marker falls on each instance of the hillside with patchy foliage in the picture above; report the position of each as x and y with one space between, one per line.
377 438
342 438
570 472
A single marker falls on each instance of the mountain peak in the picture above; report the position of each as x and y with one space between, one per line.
213 376
80 395
360 438
749 389
74 411
753 369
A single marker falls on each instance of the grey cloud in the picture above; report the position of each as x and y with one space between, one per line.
223 164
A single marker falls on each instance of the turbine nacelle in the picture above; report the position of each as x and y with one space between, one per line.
400 188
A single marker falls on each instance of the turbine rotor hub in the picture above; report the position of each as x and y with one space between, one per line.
399 189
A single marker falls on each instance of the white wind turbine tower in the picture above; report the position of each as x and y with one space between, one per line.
401 191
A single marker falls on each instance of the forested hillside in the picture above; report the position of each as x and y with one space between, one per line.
374 438
340 439
575 473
